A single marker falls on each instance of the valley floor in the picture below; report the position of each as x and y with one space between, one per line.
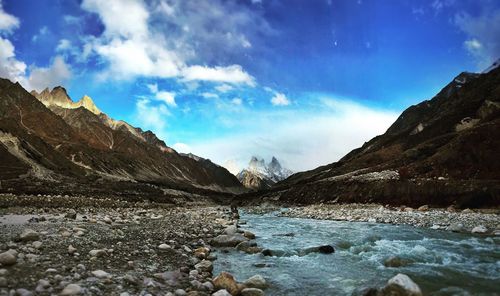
106 246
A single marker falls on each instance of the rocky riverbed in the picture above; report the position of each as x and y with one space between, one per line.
481 221
70 246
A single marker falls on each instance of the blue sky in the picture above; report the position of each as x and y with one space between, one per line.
304 80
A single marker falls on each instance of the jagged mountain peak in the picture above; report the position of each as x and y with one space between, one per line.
58 96
274 164
260 175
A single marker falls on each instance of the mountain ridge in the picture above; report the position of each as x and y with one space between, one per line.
441 151
51 134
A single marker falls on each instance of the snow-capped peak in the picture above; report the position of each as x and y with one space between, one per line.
272 170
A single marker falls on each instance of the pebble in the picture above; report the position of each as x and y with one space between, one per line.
222 292
7 259
456 227
71 214
71 250
97 253
23 292
71 289
100 274
164 247
29 235
180 292
479 229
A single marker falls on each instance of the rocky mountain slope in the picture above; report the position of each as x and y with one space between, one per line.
53 140
259 175
442 151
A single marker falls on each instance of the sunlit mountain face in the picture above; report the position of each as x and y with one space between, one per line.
305 81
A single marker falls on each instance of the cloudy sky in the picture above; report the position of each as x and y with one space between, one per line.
303 80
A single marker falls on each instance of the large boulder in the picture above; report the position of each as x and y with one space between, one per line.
395 261
401 285
249 247
326 249
256 281
479 229
227 282
204 265
225 240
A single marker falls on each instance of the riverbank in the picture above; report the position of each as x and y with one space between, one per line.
482 221
110 248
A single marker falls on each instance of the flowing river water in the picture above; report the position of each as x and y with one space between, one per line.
440 262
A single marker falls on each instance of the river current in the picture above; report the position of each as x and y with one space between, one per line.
440 262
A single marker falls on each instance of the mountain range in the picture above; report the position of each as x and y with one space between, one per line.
259 175
49 143
443 151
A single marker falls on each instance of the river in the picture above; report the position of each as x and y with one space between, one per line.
440 262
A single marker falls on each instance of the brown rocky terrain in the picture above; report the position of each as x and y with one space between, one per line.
54 145
440 152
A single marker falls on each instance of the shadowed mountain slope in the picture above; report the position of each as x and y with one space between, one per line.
52 138
440 152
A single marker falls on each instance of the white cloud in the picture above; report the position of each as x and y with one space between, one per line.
153 87
208 95
10 67
482 33
167 97
125 18
230 74
8 22
237 101
473 45
162 38
64 45
303 140
55 74
148 116
41 33
224 88
15 70
280 99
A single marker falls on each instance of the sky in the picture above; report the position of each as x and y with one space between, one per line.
303 80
